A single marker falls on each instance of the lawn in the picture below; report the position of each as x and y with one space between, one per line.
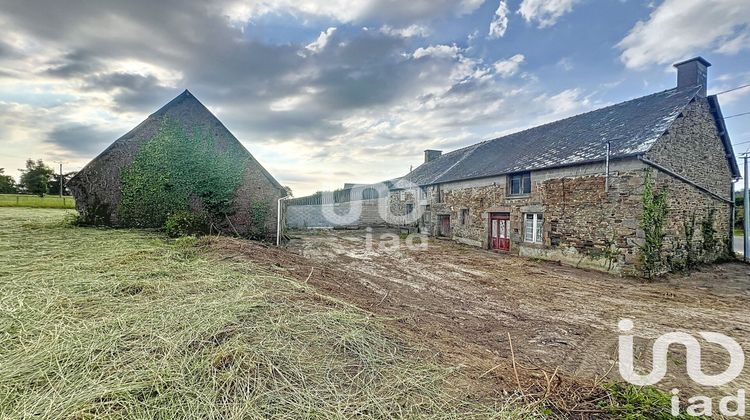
35 201
123 323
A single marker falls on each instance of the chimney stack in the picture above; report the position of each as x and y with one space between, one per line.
430 155
691 73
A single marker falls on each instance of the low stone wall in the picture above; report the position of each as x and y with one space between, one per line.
319 215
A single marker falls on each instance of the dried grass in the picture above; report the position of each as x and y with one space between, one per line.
101 323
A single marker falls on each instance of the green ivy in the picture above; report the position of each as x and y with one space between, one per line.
259 213
652 222
175 169
710 243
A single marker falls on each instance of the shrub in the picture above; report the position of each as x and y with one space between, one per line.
185 223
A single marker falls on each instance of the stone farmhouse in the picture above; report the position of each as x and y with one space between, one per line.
572 190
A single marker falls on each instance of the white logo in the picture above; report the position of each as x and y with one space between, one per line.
693 349
699 405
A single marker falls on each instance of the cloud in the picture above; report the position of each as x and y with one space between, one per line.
545 12
677 29
352 11
437 51
365 102
406 32
499 23
320 43
81 138
510 66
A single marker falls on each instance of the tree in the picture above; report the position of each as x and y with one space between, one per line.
35 178
7 183
739 210
288 191
54 183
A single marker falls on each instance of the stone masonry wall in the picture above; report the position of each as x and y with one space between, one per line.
586 226
693 149
583 225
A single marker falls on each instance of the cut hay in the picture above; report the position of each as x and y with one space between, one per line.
121 323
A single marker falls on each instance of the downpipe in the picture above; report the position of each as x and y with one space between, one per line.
278 219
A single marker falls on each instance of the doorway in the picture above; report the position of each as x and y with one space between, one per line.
500 231
444 225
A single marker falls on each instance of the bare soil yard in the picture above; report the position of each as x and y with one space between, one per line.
463 303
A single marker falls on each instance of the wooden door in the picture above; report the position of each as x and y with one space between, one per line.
445 225
500 231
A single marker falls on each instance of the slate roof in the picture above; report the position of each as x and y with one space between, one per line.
630 127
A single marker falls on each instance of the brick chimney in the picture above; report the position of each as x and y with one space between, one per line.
430 155
691 73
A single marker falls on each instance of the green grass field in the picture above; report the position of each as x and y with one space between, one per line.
103 323
34 201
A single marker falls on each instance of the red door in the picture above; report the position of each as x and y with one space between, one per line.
500 231
445 225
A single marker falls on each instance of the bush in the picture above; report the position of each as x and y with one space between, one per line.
185 223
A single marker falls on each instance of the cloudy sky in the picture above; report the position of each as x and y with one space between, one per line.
333 91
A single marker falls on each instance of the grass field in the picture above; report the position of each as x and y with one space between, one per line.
34 201
99 323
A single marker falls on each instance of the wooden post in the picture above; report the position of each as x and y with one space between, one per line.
61 183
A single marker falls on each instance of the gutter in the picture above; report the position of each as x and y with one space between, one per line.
278 219
683 179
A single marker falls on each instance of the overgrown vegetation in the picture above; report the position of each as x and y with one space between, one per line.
708 232
653 220
127 324
177 172
185 223
259 212
638 403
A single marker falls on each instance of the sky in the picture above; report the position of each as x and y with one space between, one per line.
328 92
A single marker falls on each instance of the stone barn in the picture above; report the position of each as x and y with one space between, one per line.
573 190
180 160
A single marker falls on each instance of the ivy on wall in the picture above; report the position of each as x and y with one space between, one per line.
176 172
653 221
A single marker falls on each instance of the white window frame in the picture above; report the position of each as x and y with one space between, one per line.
537 221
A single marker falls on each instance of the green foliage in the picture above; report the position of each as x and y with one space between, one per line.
690 251
708 231
185 223
35 178
177 172
739 210
638 403
7 183
653 220
54 183
259 213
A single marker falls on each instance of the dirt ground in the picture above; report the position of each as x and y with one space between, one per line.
463 304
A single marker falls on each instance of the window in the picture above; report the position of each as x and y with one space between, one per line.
439 195
409 208
520 184
533 228
464 217
402 195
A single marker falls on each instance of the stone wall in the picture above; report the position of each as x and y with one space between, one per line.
693 149
364 213
582 222
587 226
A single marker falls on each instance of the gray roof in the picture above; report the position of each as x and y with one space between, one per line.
630 127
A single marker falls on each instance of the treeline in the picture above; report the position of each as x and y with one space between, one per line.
37 178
